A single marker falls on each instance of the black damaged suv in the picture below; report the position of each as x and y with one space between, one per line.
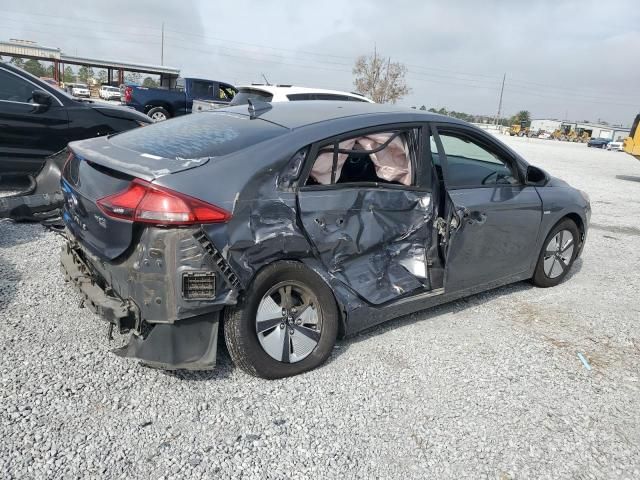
38 120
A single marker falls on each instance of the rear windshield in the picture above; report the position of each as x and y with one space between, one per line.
198 135
245 94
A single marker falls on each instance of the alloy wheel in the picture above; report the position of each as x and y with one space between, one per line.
289 322
558 254
158 117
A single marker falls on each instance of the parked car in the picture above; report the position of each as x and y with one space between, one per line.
297 222
107 92
78 90
545 135
598 142
289 93
617 146
161 103
39 120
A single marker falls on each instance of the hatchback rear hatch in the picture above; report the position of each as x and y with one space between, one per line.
108 182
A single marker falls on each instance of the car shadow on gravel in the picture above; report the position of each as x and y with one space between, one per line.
224 365
342 346
629 178
223 369
9 278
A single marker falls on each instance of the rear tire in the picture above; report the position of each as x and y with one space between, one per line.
559 250
158 114
265 341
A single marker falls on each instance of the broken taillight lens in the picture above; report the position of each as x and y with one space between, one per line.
148 203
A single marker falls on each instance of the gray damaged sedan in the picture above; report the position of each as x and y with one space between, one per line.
285 226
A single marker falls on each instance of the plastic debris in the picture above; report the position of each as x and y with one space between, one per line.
584 361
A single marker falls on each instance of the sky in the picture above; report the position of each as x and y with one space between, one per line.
563 59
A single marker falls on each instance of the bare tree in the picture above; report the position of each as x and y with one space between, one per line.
380 79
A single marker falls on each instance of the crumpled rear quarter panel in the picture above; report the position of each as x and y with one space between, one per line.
151 275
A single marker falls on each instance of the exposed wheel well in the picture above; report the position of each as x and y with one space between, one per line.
578 221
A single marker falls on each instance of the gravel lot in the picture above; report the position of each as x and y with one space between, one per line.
488 387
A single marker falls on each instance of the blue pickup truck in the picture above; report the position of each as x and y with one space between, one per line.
162 103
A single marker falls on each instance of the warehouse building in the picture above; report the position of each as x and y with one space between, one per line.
595 130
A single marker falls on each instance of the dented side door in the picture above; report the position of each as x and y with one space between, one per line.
374 238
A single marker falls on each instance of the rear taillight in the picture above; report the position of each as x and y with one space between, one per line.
148 203
127 94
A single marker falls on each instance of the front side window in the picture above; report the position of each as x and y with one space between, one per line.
385 157
470 164
14 88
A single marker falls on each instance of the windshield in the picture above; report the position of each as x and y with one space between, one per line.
246 94
207 134
79 85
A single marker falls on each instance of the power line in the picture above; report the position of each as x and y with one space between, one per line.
430 74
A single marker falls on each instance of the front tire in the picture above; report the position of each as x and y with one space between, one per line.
286 325
558 253
158 114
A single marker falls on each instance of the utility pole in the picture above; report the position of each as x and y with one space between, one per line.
162 47
504 77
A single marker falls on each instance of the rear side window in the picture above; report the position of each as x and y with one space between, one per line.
387 157
200 88
207 134
294 97
246 94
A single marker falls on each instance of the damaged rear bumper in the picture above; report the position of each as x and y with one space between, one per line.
188 343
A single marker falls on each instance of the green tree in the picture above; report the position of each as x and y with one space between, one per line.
102 76
34 67
68 76
523 117
149 82
423 107
17 62
133 77
85 73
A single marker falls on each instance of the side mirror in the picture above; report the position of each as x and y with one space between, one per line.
536 176
41 98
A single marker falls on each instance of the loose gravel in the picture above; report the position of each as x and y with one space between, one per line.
486 387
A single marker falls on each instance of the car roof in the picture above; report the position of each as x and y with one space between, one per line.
292 89
299 114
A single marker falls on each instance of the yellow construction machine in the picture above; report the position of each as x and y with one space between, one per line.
519 130
632 142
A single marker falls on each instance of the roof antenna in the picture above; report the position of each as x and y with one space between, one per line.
257 107
265 79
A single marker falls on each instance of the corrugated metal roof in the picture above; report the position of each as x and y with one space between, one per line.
143 67
32 49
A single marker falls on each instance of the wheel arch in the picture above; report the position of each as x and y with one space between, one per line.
575 218
311 266
164 105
